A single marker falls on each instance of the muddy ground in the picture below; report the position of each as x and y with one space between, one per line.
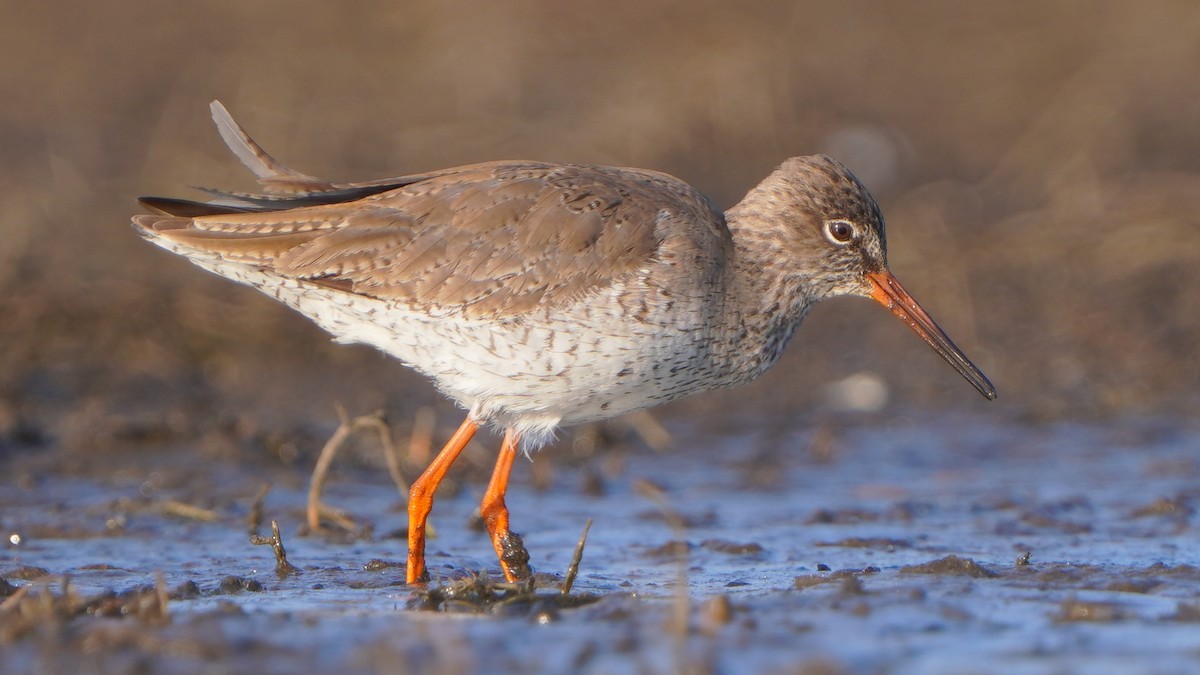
922 544
858 509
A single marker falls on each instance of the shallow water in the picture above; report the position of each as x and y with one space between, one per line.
827 550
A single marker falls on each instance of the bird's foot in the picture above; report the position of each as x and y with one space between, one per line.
514 559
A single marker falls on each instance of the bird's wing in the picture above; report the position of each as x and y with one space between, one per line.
273 176
490 240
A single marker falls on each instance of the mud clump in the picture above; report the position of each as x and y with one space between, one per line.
732 547
479 594
951 565
845 577
1073 610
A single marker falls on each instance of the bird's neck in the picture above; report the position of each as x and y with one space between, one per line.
768 294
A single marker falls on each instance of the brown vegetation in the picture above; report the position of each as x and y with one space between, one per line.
1039 166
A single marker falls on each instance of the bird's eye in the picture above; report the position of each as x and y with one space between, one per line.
839 231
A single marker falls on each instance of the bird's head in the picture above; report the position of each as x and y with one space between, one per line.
827 229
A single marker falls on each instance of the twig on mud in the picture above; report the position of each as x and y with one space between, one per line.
179 509
162 599
651 431
35 606
254 520
31 608
420 441
345 429
283 568
15 599
573 568
339 518
678 624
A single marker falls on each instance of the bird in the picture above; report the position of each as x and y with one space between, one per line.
539 295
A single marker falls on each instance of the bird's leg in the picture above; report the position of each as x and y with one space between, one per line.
514 559
420 498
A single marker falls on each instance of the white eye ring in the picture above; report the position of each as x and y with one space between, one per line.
840 232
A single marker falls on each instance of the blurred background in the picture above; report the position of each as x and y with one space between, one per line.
1038 165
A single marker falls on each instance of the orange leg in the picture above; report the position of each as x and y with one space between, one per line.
420 498
514 559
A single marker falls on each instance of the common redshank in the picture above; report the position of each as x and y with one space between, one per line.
539 295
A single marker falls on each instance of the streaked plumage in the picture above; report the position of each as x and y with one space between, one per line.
539 294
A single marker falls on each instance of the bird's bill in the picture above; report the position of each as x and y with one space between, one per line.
887 291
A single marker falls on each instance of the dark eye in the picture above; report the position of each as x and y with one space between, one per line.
839 231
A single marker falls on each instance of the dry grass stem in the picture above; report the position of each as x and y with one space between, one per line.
162 613
420 441
573 568
678 623
646 425
346 428
179 509
11 602
255 519
338 518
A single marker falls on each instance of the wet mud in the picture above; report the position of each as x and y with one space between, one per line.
916 545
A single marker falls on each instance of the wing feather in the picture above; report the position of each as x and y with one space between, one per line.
492 240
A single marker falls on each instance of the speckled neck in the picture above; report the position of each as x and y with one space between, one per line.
768 294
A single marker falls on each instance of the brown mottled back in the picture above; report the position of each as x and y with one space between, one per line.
491 240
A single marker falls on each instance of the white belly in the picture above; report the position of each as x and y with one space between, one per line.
582 363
